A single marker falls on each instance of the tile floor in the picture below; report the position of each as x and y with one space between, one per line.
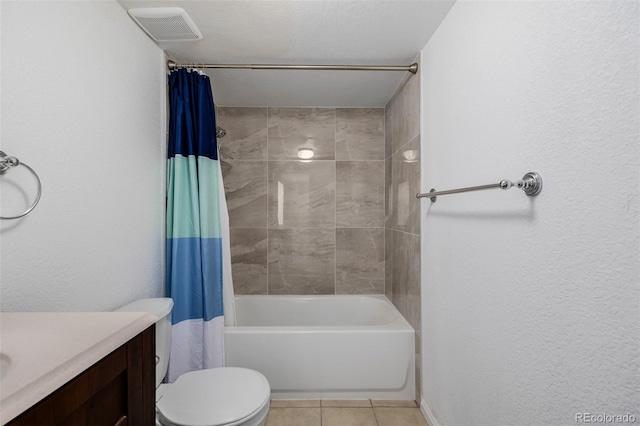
360 412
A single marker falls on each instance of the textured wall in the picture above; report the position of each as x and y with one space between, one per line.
402 209
83 104
305 227
531 306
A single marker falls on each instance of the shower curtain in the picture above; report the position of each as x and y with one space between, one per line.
198 275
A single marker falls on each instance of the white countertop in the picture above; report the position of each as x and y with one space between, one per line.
41 351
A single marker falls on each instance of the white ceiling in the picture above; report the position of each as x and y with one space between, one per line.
368 32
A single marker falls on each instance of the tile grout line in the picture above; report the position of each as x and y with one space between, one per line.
267 212
335 204
374 413
384 203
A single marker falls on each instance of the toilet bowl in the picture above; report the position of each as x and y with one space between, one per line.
227 396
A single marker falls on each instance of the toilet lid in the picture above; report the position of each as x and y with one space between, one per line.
214 397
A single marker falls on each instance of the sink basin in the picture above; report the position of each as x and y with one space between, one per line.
5 364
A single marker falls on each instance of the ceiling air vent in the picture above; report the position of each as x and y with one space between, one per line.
166 23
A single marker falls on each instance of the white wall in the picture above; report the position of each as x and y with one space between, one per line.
531 307
83 103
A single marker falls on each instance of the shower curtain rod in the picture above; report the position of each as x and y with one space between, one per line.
413 68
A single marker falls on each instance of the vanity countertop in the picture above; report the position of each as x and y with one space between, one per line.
41 351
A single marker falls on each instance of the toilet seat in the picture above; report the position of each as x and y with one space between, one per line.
215 397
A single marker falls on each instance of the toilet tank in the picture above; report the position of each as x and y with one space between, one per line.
161 308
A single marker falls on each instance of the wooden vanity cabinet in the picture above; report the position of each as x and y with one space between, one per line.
117 390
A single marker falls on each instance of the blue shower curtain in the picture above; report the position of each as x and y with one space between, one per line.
195 219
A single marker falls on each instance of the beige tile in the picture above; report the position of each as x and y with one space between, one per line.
387 416
360 187
389 194
346 403
348 417
245 185
406 112
246 128
301 194
360 134
405 208
360 261
301 261
291 129
249 260
294 417
388 263
295 403
388 128
406 276
393 403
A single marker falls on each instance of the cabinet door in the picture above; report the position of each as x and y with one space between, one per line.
117 390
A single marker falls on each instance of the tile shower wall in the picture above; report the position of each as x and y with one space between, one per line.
402 209
306 226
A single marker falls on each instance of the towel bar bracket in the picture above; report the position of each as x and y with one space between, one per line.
531 184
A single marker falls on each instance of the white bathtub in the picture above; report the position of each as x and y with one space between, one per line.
339 346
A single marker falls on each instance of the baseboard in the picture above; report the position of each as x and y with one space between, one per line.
426 412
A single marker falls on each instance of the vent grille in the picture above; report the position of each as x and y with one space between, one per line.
166 23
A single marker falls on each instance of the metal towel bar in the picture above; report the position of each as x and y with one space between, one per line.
531 184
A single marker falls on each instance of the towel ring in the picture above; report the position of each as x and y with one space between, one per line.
6 162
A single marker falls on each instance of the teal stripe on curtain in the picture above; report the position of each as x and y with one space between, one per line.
189 172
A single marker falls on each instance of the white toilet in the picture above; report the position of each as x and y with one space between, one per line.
227 396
